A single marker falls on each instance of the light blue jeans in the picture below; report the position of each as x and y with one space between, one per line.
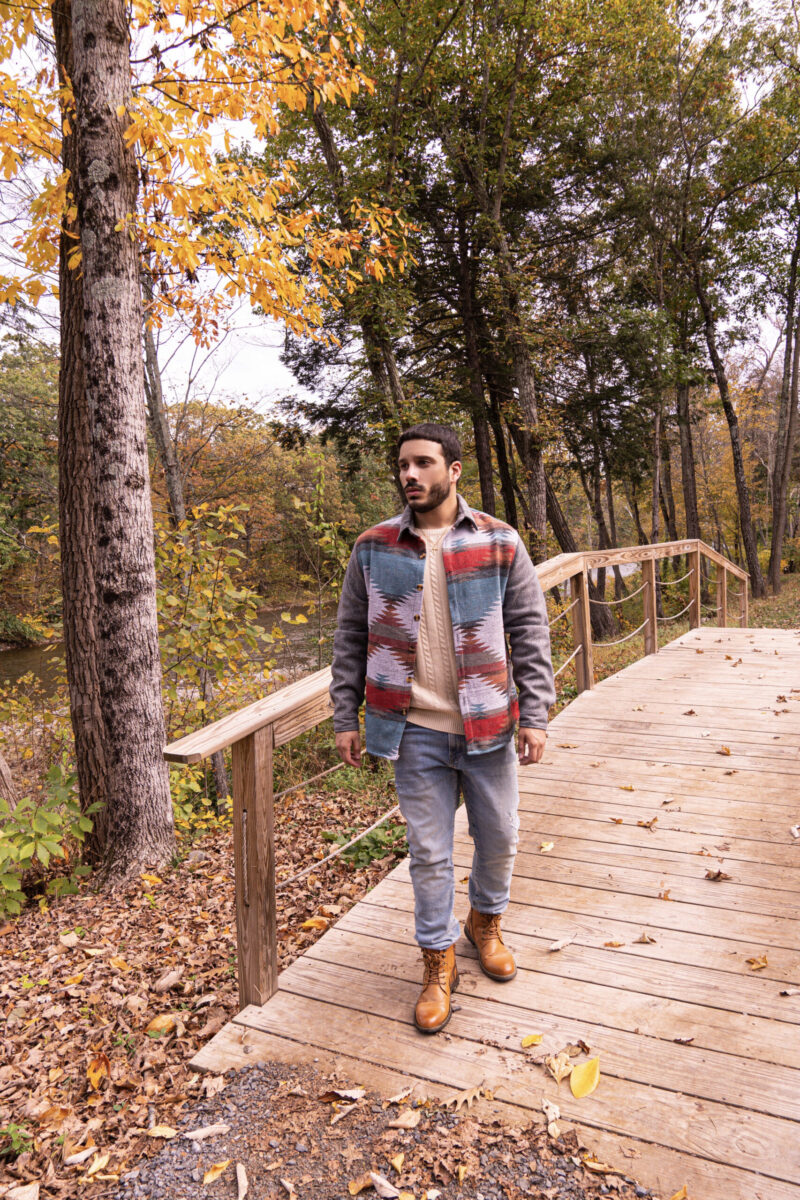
429 773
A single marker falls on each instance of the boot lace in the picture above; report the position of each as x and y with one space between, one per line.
491 927
435 967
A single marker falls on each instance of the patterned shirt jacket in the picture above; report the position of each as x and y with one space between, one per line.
494 595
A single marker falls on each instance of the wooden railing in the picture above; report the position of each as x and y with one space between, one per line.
254 732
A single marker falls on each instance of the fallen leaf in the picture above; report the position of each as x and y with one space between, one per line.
551 1113
664 895
358 1185
559 1065
119 963
334 1094
567 941
616 820
316 923
406 1092
613 945
80 1156
343 1112
164 1023
397 1162
241 1182
99 1164
288 1187
790 992
386 1190
724 750
575 1048
69 940
98 1068
467 1097
71 980
546 847
717 876
584 1078
461 1171
153 880
24 1191
531 1039
408 1119
627 787
593 1164
757 964
682 1194
699 651
645 939
794 830
651 824
206 1131
168 981
690 713
161 1131
406 1196
683 1041
567 745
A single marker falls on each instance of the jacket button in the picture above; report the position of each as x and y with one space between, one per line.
420 586
422 555
416 618
403 712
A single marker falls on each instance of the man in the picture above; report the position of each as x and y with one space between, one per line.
428 601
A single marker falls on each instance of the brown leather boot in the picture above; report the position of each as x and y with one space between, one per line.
441 978
483 930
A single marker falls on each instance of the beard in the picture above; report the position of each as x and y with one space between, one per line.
430 498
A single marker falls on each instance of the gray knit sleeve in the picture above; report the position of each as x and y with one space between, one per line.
349 667
525 623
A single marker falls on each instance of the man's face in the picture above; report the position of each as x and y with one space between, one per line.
425 477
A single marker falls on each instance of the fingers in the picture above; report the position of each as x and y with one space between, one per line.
349 746
531 745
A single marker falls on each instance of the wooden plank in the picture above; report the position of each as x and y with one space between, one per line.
302 718
699 751
391 985
548 824
652 721
658 1167
713 1130
275 707
708 1003
254 867
653 856
582 633
649 605
624 773
546 925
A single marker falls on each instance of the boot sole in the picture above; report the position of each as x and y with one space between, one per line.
496 978
436 1028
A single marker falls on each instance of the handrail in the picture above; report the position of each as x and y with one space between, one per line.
253 733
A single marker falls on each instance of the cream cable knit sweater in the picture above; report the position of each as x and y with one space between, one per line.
434 692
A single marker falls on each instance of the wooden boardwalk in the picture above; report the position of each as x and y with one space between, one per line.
699 1054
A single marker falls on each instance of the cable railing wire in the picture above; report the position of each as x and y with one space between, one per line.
622 599
567 661
672 582
558 616
284 883
619 641
675 616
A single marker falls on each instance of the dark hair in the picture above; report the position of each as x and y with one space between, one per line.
443 434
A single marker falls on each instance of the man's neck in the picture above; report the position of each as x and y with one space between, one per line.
441 517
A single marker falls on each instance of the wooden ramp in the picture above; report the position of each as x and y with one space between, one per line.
684 763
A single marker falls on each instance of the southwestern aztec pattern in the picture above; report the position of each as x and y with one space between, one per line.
383 594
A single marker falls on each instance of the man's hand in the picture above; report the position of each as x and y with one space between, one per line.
349 746
530 744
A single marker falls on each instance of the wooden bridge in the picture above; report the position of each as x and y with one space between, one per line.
656 845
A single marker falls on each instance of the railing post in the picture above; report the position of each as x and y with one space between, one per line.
254 865
743 598
722 595
650 608
582 631
694 588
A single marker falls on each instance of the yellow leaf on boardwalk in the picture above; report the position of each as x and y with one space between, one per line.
316 923
585 1078
681 1195
214 1172
757 964
532 1039
546 847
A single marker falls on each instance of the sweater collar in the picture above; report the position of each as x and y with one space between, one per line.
465 513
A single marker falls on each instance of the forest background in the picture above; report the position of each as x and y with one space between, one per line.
570 229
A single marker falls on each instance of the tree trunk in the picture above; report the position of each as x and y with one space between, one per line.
667 494
604 623
76 493
503 465
688 477
743 495
158 418
139 830
483 449
787 419
8 791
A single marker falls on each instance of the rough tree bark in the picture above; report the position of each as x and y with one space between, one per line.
76 494
787 422
742 493
139 827
8 791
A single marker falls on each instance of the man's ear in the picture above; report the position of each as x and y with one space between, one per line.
455 472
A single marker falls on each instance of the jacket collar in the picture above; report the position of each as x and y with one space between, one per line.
465 513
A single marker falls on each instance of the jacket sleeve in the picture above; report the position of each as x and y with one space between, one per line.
525 623
349 668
